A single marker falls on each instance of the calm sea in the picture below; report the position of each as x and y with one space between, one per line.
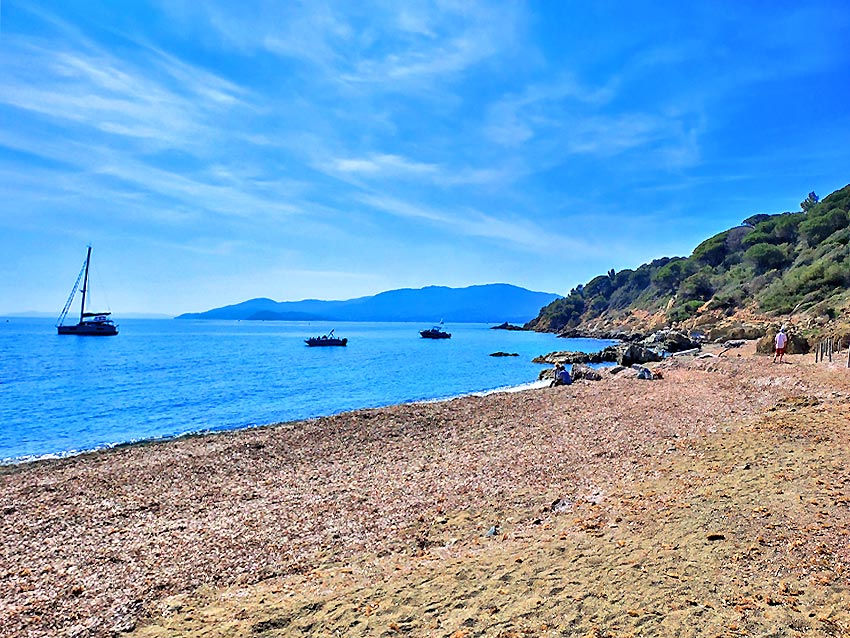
61 395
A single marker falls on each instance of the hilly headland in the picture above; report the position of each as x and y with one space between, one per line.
786 268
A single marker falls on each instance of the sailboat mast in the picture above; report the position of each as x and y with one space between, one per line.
85 285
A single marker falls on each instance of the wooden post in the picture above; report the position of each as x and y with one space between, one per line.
829 348
817 353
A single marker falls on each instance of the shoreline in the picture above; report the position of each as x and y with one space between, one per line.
481 514
69 454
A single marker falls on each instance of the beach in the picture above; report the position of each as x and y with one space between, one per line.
713 501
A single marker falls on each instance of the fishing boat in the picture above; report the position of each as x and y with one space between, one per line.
436 332
326 340
91 324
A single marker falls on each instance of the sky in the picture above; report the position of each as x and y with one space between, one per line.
213 152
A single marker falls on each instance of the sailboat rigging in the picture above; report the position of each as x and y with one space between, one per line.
91 324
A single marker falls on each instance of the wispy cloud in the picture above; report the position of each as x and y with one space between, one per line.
394 45
467 221
163 101
380 164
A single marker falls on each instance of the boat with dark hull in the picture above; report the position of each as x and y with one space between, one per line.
91 324
436 332
326 340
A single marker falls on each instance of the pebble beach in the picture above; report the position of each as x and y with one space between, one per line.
713 501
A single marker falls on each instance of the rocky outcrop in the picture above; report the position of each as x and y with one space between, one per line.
507 326
581 371
504 354
618 334
632 353
797 343
568 358
624 354
671 340
734 331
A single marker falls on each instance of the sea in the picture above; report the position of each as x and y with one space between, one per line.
162 378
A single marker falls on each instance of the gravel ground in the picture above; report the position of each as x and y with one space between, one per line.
399 497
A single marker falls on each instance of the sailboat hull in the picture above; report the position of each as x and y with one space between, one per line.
89 330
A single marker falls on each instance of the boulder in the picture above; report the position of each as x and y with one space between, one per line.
634 353
736 331
678 341
564 356
546 375
671 340
645 373
797 343
581 371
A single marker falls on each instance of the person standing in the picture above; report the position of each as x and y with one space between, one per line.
781 341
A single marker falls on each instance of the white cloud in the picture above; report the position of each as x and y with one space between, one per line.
469 222
380 164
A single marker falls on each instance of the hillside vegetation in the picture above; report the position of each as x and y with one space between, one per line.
770 268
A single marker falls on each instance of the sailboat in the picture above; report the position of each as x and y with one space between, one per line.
91 324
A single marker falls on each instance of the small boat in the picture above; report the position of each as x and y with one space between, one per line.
91 324
436 332
326 340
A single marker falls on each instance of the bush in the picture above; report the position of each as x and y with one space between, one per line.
685 311
817 228
765 257
712 251
697 286
757 237
670 275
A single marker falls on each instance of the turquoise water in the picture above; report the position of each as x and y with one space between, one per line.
162 378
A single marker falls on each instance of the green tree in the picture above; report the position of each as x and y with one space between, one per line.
817 228
712 251
809 202
765 257
668 276
755 219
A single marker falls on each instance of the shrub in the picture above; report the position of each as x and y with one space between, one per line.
670 275
765 257
817 228
712 251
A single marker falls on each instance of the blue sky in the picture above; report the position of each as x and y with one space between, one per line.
216 151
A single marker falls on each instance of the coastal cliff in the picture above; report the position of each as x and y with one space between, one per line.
791 267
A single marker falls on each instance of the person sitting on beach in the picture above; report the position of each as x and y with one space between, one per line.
562 376
780 341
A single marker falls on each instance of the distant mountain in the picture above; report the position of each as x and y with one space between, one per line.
34 314
475 304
